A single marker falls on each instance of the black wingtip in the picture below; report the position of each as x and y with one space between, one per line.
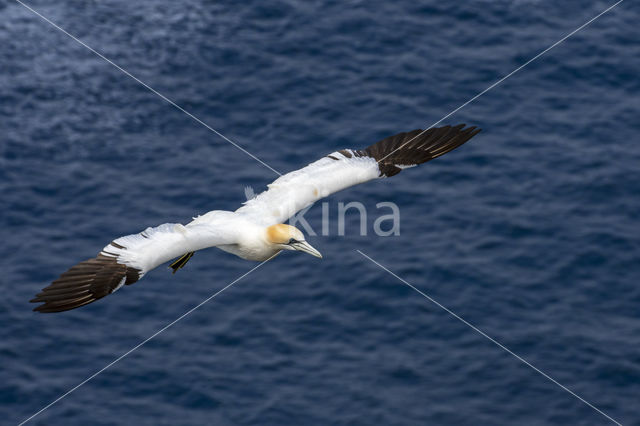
417 147
85 283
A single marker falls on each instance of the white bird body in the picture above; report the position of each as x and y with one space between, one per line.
250 240
255 231
243 232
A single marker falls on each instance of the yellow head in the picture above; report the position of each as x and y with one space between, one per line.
287 237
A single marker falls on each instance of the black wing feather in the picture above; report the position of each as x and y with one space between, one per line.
84 283
416 147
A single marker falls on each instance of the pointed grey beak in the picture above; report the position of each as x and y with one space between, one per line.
307 248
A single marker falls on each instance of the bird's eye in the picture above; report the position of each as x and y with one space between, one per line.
291 241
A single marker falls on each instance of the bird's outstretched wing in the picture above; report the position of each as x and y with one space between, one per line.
299 189
125 260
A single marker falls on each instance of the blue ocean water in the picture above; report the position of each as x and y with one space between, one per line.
530 232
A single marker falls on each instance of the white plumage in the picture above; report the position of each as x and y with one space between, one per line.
255 231
297 190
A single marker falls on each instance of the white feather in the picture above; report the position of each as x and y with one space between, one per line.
299 189
241 232
155 246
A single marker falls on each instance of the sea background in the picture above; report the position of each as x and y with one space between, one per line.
530 232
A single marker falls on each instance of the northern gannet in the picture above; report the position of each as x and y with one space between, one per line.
255 231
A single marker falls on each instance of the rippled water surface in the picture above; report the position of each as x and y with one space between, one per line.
530 232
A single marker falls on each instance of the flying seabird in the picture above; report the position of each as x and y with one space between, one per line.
256 230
